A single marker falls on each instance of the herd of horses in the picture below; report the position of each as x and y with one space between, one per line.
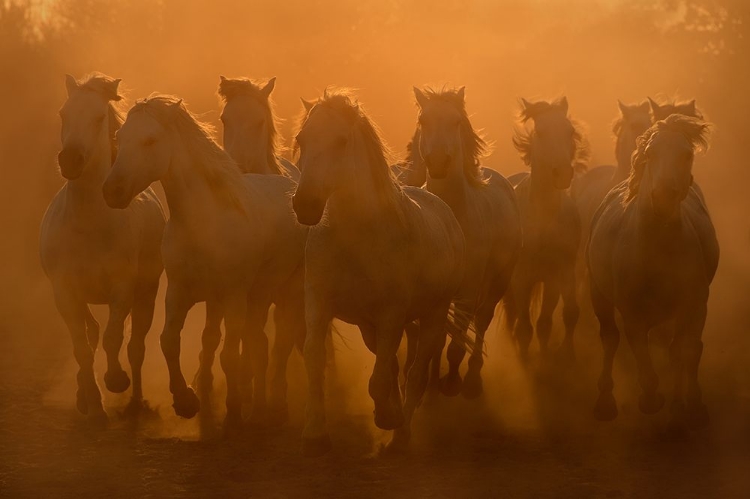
426 248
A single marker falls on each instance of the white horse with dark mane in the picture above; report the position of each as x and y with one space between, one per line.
93 254
231 241
379 256
652 256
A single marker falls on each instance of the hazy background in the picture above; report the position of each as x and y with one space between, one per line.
595 52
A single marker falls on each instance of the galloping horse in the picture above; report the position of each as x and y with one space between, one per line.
250 124
550 222
231 241
652 255
378 256
93 254
484 203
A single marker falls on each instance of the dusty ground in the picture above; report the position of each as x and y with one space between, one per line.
531 435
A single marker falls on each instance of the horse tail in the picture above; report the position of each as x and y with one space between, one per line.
460 327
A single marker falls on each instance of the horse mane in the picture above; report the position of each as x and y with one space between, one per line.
234 87
522 138
474 146
693 129
413 156
217 167
106 86
341 102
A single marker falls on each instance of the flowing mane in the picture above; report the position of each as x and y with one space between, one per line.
367 138
219 170
693 129
234 87
522 138
104 85
474 147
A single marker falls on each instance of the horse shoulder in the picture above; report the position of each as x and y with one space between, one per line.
703 229
606 228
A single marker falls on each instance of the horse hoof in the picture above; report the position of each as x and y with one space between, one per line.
316 446
651 404
134 408
472 386
388 418
116 381
186 403
81 402
450 385
697 416
606 407
98 418
399 443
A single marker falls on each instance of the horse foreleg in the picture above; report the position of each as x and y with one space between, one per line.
411 330
690 327
523 329
606 406
388 410
210 339
254 360
651 401
315 440
142 317
116 378
571 312
289 318
88 398
450 385
185 402
550 298
235 322
92 329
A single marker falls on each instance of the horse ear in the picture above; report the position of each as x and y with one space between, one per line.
115 85
563 104
222 78
268 88
526 104
308 104
623 108
70 84
176 104
461 93
655 107
691 107
421 98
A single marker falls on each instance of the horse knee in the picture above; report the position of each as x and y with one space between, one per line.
210 339
455 353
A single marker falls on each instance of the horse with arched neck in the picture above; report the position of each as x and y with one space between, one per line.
251 126
96 255
652 256
231 241
484 203
378 256
553 149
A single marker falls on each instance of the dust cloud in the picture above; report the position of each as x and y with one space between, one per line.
532 433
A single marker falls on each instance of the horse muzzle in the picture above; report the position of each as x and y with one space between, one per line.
115 194
71 161
438 165
562 177
309 211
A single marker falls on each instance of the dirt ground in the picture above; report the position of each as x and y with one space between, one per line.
531 435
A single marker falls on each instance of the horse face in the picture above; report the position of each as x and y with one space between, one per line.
323 143
84 121
670 162
439 137
636 119
553 148
245 131
143 157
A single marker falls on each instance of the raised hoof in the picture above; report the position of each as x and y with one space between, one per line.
316 446
651 404
81 402
389 418
606 407
450 385
116 381
186 403
472 386
97 418
696 416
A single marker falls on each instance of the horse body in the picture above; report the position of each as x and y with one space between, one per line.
95 255
551 225
484 204
380 258
231 241
652 256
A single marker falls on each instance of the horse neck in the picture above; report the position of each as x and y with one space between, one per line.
452 189
624 148
358 203
261 161
648 220
84 194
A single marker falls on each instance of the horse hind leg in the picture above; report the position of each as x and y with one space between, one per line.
411 331
88 397
116 379
550 299
210 340
451 384
289 317
255 358
606 406
691 328
388 408
523 330
142 316
571 313
92 329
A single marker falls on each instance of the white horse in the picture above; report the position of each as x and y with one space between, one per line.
381 257
231 241
95 255
652 256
